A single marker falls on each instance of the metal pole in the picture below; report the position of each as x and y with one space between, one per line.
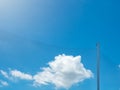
98 66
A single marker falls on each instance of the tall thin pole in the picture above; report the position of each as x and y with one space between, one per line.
98 66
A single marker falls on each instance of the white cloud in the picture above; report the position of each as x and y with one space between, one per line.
20 75
63 72
5 74
3 83
16 74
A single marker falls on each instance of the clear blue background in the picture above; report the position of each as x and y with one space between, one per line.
33 32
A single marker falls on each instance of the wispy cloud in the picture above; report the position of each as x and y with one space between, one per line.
5 74
16 74
119 65
63 72
3 83
20 75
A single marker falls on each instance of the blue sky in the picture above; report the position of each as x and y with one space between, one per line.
33 32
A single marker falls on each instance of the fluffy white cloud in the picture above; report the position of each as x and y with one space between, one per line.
5 74
63 72
20 75
3 83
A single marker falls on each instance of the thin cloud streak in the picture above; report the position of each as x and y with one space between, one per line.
5 74
20 75
3 83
